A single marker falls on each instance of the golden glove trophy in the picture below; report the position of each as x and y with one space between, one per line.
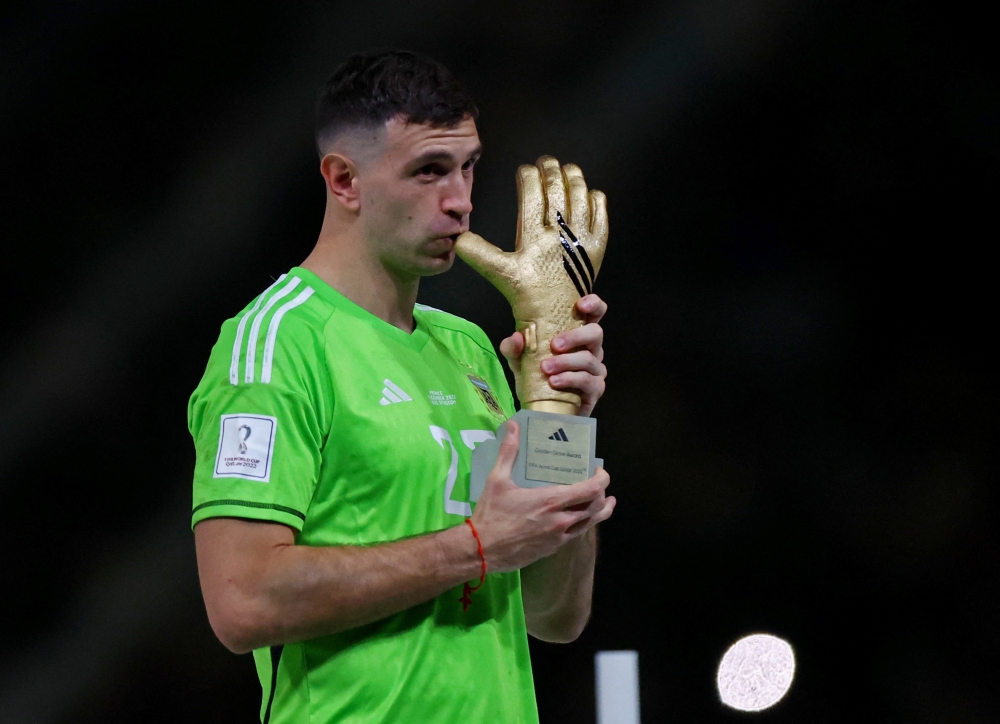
562 232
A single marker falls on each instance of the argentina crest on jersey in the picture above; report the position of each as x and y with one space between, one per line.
487 396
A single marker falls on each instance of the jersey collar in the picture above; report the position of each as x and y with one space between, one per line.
415 341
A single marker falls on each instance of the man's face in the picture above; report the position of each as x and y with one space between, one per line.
416 195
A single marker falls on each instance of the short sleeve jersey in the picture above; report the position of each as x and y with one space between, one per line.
318 415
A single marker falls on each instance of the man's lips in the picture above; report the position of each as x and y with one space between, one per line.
444 244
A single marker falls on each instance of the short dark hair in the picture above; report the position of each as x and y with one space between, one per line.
369 89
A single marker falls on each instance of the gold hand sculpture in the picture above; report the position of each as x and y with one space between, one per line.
562 232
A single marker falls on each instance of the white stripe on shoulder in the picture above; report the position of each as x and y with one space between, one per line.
272 331
234 366
255 327
428 308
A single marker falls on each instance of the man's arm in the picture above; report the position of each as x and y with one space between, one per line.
557 590
261 589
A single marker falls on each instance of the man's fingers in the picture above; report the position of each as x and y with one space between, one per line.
585 524
588 385
589 336
599 214
594 507
555 189
605 511
583 361
513 347
531 207
579 201
585 491
593 308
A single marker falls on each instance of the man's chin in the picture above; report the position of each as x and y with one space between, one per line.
438 264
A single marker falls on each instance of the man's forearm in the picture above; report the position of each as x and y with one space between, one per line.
290 593
557 590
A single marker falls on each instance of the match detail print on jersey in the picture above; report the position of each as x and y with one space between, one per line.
256 317
246 446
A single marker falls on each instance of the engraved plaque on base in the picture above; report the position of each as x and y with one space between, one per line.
554 450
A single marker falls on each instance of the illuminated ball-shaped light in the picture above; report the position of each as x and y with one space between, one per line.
756 672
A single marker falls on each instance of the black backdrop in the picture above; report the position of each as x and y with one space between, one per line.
797 421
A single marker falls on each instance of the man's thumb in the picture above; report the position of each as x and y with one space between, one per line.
508 450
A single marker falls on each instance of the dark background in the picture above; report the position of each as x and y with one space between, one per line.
798 418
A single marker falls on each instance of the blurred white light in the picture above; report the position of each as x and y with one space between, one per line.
617 679
756 672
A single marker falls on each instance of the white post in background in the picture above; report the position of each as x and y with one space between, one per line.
617 679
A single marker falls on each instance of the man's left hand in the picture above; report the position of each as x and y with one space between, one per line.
577 361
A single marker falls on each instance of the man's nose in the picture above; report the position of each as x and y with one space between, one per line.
457 200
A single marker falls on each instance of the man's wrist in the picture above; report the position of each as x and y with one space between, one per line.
459 553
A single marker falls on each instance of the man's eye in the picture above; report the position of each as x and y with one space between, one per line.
431 169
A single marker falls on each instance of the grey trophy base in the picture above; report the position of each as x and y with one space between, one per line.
555 450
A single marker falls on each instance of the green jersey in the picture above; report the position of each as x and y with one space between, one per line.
318 415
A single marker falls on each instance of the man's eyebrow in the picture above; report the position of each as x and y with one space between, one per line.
432 156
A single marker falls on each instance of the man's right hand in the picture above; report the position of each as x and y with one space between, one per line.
518 526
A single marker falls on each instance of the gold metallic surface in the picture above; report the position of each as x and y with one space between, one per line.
541 292
559 408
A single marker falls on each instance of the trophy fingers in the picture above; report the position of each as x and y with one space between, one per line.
496 265
599 218
578 212
554 189
530 204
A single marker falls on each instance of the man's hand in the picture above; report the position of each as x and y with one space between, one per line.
577 363
519 526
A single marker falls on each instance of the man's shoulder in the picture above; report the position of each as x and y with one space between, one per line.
283 324
438 318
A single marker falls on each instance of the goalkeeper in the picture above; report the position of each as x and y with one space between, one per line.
334 428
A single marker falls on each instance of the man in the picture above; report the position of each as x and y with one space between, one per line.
334 428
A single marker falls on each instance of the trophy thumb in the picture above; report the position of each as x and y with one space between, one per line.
493 263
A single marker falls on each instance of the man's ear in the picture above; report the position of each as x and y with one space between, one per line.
341 174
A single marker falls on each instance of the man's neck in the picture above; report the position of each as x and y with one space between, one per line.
347 265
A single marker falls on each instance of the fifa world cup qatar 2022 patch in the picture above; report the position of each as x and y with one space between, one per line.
246 446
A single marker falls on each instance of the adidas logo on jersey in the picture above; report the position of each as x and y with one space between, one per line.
560 435
392 394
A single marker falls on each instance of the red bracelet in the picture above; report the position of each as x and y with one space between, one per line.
467 590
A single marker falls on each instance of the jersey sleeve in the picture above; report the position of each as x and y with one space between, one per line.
258 445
